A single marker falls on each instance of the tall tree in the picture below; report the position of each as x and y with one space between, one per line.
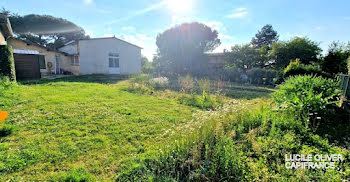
244 57
45 30
299 47
336 59
182 47
265 37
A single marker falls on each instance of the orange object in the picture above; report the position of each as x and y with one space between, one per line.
3 116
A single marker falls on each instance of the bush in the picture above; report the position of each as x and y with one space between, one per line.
228 74
204 101
159 83
138 84
296 68
204 85
186 83
7 62
262 76
307 96
335 60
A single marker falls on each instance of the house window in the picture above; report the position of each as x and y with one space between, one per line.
113 59
75 60
42 62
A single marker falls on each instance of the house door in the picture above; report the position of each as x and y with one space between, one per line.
27 66
114 63
57 64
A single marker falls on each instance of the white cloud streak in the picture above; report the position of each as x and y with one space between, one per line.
140 12
238 13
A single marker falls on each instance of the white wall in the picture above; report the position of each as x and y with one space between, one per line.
94 56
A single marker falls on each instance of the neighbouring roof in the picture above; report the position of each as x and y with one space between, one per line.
73 41
5 26
34 44
22 51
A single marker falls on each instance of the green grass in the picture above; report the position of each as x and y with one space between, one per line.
64 125
238 142
89 128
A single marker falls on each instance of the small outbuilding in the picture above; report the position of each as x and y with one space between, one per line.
108 55
33 61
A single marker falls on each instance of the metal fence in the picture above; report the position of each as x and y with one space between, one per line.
345 84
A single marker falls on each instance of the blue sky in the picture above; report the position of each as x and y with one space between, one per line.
237 21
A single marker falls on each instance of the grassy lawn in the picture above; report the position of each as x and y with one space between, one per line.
87 122
65 125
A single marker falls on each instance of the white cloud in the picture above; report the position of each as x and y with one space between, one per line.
88 1
218 26
225 37
144 37
222 47
176 20
128 28
238 13
140 12
89 33
288 35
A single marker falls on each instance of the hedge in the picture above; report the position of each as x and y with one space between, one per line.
7 62
261 76
296 68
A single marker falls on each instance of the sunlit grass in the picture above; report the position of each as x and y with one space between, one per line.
68 125
87 127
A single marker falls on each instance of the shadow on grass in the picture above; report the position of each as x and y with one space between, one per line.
247 94
337 129
6 131
95 78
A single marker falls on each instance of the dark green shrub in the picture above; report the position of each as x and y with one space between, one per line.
227 74
335 60
296 68
262 76
7 63
307 96
256 76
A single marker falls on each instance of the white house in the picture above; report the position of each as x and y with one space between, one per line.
108 55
